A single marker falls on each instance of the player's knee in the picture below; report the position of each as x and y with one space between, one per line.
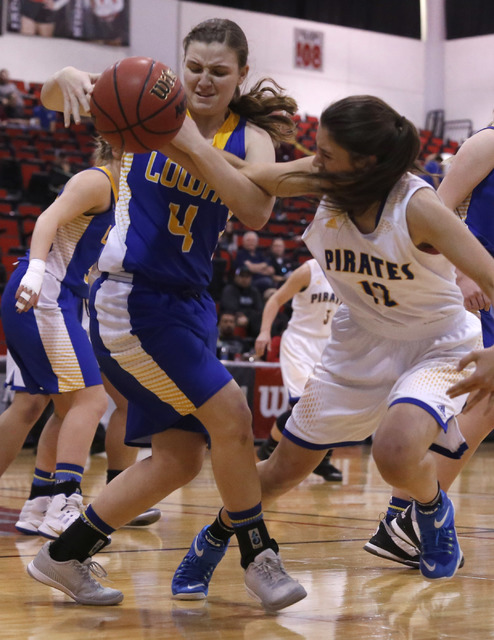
393 459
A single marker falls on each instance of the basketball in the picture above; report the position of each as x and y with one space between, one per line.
138 104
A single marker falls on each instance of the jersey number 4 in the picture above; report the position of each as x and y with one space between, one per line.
182 228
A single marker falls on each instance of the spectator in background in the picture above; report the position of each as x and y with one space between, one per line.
252 257
282 265
230 346
11 100
243 299
434 169
228 239
44 118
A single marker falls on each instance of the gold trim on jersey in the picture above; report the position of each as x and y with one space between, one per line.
223 134
114 186
122 218
462 209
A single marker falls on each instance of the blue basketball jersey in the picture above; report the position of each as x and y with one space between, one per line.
167 223
48 342
477 211
78 243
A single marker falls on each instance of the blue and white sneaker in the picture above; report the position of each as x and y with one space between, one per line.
441 554
191 579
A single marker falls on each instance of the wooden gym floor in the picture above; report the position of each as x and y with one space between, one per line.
321 528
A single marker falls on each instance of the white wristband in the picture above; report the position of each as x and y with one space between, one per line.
33 278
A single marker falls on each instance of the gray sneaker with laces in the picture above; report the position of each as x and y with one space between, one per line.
73 578
267 582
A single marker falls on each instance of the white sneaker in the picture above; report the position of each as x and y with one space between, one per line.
267 582
61 513
73 578
32 515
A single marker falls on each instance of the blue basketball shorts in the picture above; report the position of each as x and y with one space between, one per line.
158 348
48 343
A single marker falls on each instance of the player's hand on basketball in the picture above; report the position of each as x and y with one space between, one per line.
480 384
76 87
263 342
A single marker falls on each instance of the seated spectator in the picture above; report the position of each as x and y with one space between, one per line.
230 346
11 100
244 300
44 118
250 256
281 264
228 239
433 167
60 171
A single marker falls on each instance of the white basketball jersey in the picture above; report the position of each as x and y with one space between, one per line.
314 307
391 287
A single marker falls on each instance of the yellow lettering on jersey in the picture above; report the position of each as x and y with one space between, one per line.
105 237
152 177
193 186
179 229
173 175
170 174
207 192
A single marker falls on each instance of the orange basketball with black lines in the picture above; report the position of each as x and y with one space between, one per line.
138 104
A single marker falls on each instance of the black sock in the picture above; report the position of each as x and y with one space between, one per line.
68 487
253 539
430 507
40 490
252 534
78 542
220 530
111 474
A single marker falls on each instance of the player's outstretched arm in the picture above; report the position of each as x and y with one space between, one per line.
249 203
298 280
69 91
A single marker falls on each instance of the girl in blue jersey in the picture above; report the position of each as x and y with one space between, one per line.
153 323
42 310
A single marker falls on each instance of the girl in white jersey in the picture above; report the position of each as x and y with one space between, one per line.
467 188
387 245
314 304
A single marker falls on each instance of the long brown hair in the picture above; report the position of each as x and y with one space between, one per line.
265 104
366 126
